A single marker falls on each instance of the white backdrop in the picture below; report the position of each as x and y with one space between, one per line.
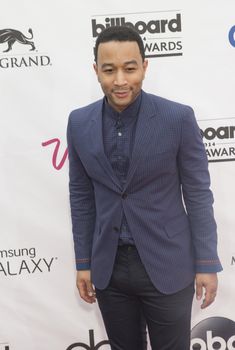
39 305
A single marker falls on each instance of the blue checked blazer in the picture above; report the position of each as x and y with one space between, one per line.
166 199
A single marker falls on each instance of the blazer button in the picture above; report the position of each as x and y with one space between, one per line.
116 229
124 195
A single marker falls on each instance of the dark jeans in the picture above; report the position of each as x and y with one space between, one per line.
130 301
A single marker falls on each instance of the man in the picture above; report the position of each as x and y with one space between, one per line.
141 206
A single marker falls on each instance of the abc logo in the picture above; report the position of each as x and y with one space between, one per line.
92 345
214 333
231 36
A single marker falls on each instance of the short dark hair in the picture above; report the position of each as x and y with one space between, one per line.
119 33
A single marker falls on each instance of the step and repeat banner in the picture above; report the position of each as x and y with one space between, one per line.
46 58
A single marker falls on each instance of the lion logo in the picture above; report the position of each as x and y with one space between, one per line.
10 36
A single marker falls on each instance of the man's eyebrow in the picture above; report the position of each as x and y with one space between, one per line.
107 65
130 62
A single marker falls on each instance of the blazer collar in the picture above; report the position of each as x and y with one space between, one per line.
97 144
143 135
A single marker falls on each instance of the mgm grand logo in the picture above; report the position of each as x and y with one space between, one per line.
219 139
13 40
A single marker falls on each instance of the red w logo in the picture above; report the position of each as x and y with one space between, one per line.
56 165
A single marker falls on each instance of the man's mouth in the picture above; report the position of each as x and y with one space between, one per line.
121 93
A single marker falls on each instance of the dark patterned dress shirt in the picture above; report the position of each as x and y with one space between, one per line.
118 137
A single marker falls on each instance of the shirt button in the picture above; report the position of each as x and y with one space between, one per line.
124 195
116 229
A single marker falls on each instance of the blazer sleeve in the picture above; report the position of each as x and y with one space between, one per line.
198 198
82 203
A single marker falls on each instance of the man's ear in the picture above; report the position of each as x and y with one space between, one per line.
96 70
145 65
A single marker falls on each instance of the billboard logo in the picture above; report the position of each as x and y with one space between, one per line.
213 333
219 139
91 346
160 31
231 36
10 36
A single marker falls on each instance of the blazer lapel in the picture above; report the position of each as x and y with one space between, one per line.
98 145
143 135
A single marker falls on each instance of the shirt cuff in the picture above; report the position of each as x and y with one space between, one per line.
208 266
83 264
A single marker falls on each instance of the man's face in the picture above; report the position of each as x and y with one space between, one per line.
120 70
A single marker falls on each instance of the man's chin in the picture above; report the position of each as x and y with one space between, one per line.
123 100
120 104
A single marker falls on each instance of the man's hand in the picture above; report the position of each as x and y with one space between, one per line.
206 285
85 287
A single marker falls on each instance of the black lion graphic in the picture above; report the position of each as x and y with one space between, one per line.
11 36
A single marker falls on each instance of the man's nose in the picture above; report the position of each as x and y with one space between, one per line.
120 78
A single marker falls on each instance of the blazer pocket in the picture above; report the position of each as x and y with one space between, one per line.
176 225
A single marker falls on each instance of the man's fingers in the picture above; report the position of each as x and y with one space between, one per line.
90 290
86 291
199 291
82 289
209 299
85 286
206 284
210 295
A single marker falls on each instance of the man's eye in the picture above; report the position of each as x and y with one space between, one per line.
130 69
108 70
